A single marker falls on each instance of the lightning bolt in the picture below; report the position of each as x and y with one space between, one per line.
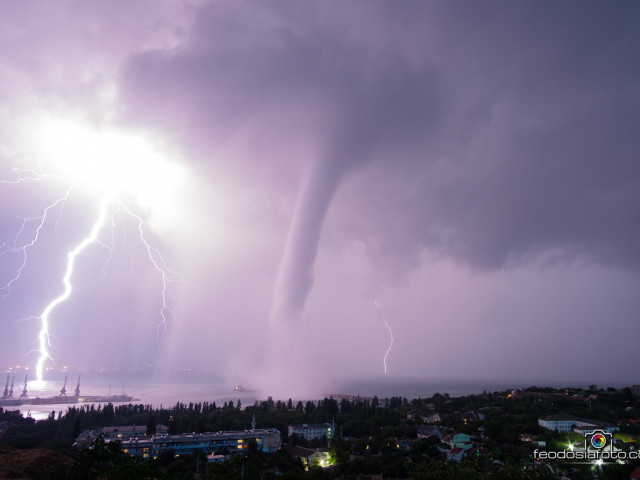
108 207
386 324
44 339
386 354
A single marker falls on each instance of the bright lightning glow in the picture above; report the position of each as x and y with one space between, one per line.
111 163
117 168
386 324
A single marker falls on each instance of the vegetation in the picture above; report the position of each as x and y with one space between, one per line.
373 437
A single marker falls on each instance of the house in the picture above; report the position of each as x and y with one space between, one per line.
456 454
426 416
432 417
448 439
413 414
216 458
462 440
404 444
311 456
426 431
465 417
86 438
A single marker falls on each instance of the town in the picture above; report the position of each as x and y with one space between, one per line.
532 433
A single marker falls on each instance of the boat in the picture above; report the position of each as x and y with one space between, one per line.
241 388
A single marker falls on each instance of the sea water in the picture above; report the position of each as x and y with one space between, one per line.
187 387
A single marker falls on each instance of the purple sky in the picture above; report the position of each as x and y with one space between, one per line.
472 166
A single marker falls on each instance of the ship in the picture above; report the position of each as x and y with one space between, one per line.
241 388
8 400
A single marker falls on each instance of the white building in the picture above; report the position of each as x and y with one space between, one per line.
566 423
310 431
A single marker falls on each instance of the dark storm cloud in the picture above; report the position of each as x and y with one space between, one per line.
532 110
537 150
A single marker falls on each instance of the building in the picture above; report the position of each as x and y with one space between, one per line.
318 457
426 431
267 440
216 458
310 431
567 423
428 417
115 433
456 454
129 431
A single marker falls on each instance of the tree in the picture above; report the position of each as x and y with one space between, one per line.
151 424
76 428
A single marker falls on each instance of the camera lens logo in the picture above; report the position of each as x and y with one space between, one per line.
598 441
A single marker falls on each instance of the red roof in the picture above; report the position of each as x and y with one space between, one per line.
635 475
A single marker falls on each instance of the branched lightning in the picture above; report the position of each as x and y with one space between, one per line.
167 274
386 324
109 208
28 176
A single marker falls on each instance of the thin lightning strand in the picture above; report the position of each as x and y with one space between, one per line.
111 247
167 275
43 337
22 249
390 345
28 176
386 324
